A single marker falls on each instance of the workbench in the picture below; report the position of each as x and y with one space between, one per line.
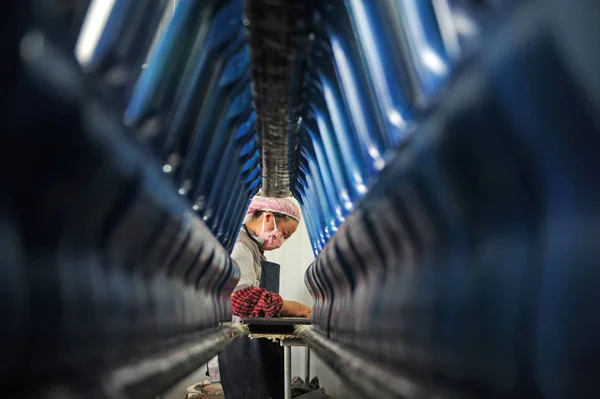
284 330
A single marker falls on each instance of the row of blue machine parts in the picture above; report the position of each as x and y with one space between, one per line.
373 69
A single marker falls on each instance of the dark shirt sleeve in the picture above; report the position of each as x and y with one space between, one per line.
256 302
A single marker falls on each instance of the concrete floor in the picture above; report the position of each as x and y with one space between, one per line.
180 390
333 386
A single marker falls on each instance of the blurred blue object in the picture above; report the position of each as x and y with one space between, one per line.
444 154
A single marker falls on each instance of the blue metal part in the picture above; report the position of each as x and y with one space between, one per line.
190 100
372 68
168 54
452 258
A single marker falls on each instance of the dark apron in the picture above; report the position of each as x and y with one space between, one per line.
253 368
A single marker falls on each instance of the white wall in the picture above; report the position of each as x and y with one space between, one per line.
294 257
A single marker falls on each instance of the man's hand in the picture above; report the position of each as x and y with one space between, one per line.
295 309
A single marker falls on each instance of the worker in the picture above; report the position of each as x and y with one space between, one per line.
253 368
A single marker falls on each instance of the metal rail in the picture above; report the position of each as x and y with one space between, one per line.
145 377
371 379
278 32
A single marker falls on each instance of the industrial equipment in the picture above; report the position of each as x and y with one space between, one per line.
445 153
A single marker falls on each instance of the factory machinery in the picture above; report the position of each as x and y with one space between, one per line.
445 153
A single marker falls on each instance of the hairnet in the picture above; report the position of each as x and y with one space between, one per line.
285 206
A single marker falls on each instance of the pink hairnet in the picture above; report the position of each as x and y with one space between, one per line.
286 206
